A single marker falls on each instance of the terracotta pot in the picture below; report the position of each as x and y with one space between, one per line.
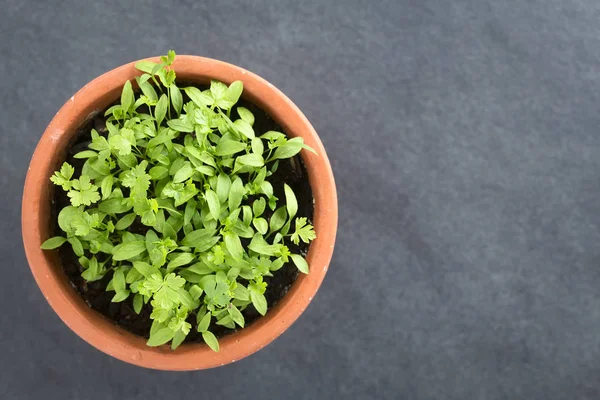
103 333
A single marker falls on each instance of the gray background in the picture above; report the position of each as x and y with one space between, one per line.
464 140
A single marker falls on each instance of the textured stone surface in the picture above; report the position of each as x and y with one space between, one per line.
464 139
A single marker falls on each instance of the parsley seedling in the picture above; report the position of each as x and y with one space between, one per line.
198 182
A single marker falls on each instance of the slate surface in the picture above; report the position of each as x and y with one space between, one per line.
464 139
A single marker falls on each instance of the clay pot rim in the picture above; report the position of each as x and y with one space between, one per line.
91 325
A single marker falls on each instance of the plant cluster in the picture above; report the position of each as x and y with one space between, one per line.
195 182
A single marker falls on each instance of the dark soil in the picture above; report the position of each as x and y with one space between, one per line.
291 172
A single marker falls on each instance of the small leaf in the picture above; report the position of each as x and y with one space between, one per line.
261 225
146 66
290 201
300 263
184 173
120 296
258 207
213 204
259 302
289 149
160 337
199 98
176 98
106 186
246 115
178 338
253 160
227 147
127 96
125 221
235 315
179 260
204 323
233 244
126 251
85 154
236 193
278 219
244 128
211 340
257 146
144 268
53 243
161 108
223 186
235 91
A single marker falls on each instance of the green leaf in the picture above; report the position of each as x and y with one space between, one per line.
114 206
211 340
235 91
204 323
236 193
223 186
125 221
246 115
178 338
161 108
261 225
144 268
119 280
127 251
106 186
227 147
257 146
83 192
260 246
120 296
235 315
244 128
148 90
179 260
199 98
300 263
259 302
304 231
184 173
278 219
146 66
63 177
289 149
76 246
290 201
253 160
213 203
127 96
218 89
192 238
233 244
158 172
176 98
53 243
138 302
180 125
85 154
258 206
161 337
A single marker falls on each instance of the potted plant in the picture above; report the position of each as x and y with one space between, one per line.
169 207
